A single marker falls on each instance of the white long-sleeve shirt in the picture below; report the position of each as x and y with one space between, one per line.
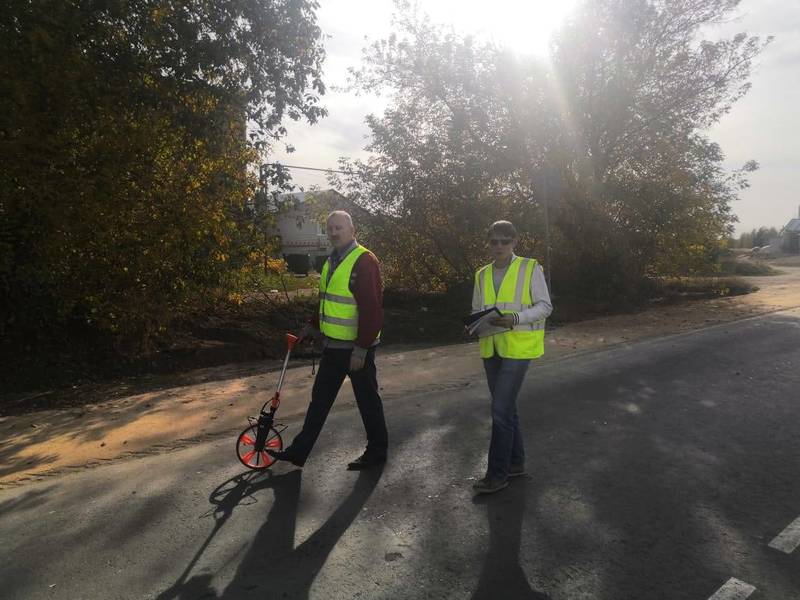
542 306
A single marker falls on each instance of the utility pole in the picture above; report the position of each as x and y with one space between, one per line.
546 193
544 185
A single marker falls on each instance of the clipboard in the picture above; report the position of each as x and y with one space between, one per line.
478 323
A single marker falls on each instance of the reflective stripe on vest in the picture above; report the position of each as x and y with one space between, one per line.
338 311
524 341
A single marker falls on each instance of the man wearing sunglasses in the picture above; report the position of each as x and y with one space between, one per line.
517 288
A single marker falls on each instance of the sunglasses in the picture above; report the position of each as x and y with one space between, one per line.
496 242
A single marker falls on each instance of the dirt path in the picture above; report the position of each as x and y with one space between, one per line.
195 408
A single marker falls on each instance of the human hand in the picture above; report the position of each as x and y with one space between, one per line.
356 361
507 321
307 334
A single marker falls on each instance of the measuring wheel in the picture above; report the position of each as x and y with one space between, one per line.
254 455
246 448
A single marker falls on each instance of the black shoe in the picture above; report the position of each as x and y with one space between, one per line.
517 471
288 456
487 485
366 461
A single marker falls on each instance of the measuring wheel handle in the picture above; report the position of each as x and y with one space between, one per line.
255 440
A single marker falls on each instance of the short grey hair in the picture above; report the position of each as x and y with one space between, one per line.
341 213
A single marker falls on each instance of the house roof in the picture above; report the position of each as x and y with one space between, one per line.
297 200
297 196
300 197
330 199
793 226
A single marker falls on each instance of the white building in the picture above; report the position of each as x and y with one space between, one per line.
300 225
790 236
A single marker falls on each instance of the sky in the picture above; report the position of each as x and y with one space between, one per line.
763 126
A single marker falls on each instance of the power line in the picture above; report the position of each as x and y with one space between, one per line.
309 168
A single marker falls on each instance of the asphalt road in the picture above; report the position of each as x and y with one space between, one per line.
658 470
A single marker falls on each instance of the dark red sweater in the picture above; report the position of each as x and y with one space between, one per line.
367 288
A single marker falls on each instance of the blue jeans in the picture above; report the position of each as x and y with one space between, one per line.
505 376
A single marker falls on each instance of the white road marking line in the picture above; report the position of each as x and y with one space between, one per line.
788 539
733 590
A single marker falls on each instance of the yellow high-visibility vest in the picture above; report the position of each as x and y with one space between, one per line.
338 311
524 341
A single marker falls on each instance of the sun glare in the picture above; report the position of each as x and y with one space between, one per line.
524 26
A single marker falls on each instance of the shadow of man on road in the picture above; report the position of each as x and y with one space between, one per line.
236 491
272 566
502 576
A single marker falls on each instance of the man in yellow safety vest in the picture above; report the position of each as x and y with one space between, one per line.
517 288
350 318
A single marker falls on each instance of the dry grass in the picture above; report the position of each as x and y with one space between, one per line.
786 261
686 288
745 267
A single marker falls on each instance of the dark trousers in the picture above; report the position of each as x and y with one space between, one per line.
505 376
333 368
